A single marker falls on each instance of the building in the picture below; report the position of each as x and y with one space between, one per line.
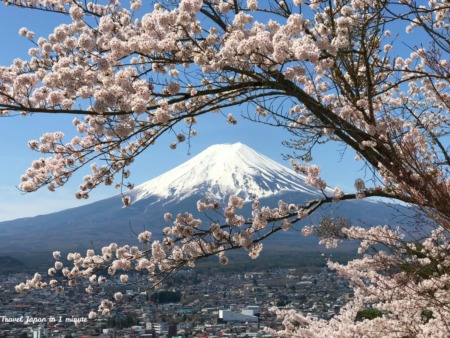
227 316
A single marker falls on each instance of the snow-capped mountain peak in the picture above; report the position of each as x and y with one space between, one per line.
221 170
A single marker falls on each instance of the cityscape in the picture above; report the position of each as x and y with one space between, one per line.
194 303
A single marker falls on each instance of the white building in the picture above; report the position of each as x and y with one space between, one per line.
230 316
40 332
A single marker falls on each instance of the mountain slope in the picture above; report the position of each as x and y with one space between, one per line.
217 172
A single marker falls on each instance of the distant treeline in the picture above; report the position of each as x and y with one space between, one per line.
271 257
10 264
239 261
166 296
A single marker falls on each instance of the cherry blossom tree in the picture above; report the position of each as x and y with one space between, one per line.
326 71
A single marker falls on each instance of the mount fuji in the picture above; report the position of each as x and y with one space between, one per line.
222 170
217 172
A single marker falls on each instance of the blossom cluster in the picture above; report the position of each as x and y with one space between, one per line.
185 241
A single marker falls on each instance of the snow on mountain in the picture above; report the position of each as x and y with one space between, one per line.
221 170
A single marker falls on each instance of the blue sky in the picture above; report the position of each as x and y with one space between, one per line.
16 131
